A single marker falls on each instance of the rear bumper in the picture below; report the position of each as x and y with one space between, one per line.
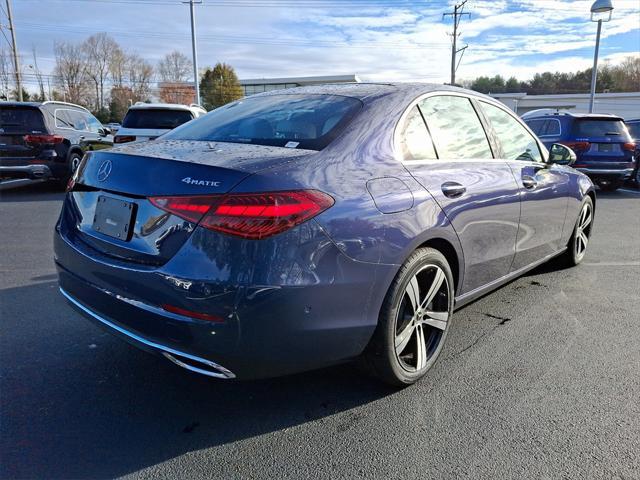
32 172
195 364
298 316
608 173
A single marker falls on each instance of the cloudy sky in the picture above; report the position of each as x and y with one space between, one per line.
376 39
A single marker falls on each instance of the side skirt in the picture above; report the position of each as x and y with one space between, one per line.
469 297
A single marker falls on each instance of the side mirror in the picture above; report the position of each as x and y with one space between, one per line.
104 131
561 155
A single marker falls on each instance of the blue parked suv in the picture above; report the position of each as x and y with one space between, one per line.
602 143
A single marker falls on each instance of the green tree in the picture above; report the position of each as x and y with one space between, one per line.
489 84
513 85
219 86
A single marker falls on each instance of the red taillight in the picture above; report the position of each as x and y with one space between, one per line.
123 138
629 146
578 147
43 139
192 314
248 215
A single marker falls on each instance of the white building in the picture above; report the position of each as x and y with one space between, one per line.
259 85
625 105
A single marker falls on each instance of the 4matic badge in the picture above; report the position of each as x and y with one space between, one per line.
204 183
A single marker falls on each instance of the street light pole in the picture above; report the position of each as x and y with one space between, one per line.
594 73
599 7
194 49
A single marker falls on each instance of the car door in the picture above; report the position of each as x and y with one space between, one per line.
544 188
478 193
95 137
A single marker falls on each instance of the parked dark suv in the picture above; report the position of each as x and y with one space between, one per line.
602 143
634 130
46 141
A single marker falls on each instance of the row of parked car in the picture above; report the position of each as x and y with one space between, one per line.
46 140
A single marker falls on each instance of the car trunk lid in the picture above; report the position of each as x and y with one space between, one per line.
109 208
604 140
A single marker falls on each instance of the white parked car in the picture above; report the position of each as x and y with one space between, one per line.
147 121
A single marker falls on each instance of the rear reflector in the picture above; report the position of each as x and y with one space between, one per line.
123 138
630 146
248 215
189 313
43 139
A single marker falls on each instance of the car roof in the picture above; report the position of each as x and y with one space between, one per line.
366 90
166 106
595 116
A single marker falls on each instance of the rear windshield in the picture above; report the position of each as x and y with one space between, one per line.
155 118
599 128
634 130
294 121
21 120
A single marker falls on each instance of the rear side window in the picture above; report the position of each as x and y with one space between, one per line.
21 120
536 126
155 118
455 128
287 120
599 128
634 130
517 143
414 139
552 127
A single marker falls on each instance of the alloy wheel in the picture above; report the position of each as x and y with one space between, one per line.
583 230
422 318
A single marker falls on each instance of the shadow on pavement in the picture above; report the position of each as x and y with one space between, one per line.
31 193
78 403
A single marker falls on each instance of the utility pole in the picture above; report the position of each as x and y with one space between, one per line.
457 16
193 47
16 60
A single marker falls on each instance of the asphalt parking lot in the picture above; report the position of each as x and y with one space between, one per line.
538 380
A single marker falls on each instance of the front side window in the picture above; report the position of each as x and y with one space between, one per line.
93 123
455 128
517 143
78 120
552 128
414 139
294 121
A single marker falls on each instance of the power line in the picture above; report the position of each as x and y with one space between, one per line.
457 15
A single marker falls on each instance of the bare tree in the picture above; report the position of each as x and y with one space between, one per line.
98 50
140 76
118 66
71 71
38 74
175 67
5 74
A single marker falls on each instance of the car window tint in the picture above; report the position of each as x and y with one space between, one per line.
78 120
415 141
537 126
634 130
552 127
62 118
517 143
291 120
162 118
21 119
455 127
93 123
599 128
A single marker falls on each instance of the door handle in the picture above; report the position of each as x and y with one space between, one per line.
81 137
529 182
452 189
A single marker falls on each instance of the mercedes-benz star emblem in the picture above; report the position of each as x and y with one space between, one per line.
105 170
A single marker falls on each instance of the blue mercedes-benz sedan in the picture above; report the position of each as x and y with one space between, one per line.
303 228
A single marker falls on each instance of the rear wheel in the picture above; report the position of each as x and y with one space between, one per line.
74 163
577 247
414 319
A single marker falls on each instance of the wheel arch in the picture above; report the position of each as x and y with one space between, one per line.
450 254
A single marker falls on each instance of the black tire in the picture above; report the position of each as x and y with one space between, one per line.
426 267
574 254
73 163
